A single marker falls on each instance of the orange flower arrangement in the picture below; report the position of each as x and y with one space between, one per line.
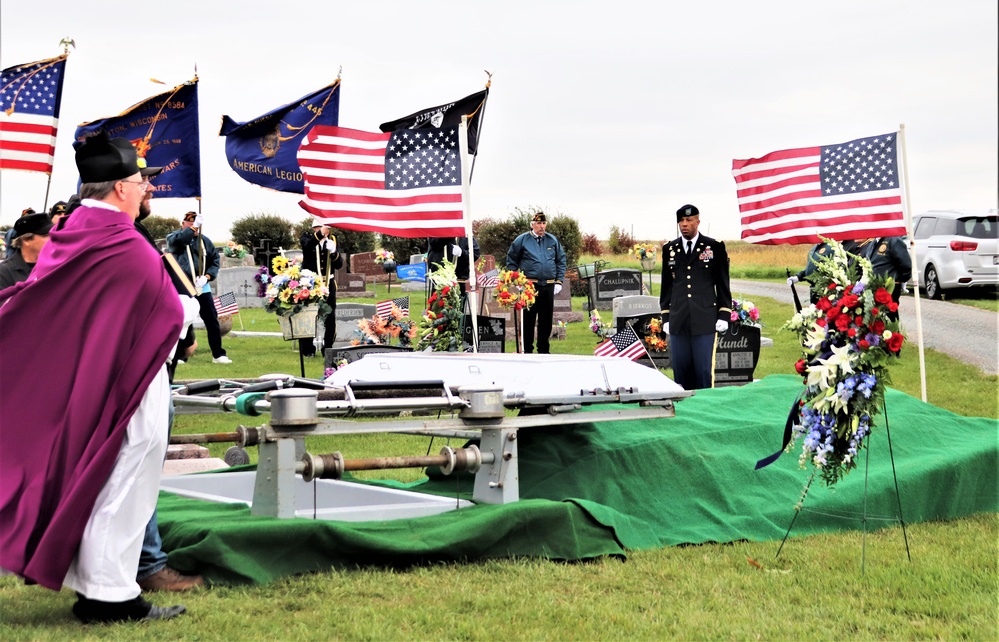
514 290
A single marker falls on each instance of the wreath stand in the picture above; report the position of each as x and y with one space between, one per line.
864 517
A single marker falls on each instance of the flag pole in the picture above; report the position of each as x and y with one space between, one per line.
466 209
478 125
912 257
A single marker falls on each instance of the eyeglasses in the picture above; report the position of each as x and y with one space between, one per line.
143 185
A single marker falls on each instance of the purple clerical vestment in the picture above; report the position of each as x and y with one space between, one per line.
80 341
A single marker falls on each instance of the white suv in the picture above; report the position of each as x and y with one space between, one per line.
956 249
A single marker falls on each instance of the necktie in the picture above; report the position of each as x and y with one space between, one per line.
689 246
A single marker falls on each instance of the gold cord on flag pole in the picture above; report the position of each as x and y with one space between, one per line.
45 64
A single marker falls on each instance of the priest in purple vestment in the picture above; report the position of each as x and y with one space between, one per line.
83 396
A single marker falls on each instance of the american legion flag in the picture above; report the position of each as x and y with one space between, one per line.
404 183
30 95
623 344
225 303
844 191
384 308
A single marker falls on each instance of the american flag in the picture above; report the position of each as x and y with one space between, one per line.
488 279
846 191
384 308
225 303
623 344
29 114
405 183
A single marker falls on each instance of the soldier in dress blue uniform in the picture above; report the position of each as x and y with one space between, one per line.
696 300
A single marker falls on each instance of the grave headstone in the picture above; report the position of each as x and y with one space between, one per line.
233 280
492 333
351 354
563 307
264 252
736 355
347 316
611 284
350 284
633 306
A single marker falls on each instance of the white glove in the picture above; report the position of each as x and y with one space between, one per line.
721 326
330 244
200 282
558 288
791 280
199 220
666 328
456 251
905 289
192 309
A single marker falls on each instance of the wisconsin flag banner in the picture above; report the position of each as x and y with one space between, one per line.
30 95
406 183
843 191
164 129
263 150
447 116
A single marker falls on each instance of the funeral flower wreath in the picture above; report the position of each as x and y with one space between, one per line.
848 343
514 290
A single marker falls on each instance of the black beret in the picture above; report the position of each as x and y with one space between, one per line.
686 210
32 224
101 158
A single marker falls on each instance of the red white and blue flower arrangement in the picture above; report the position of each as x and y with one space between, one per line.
848 343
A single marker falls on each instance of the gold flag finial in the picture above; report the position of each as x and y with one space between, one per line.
489 79
66 43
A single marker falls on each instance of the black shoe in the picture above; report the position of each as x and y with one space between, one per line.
95 611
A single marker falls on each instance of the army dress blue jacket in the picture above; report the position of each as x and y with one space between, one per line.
695 290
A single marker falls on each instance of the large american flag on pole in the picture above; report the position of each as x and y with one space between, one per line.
623 344
384 308
844 191
405 183
29 114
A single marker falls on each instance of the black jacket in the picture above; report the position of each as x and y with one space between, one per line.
695 291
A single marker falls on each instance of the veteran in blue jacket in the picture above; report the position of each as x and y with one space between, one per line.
540 256
696 300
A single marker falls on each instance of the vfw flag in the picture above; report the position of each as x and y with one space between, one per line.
164 130
842 191
30 95
405 183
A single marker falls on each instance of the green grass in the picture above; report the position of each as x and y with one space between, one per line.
815 590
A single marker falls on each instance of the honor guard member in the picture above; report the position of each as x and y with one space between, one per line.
889 256
541 258
321 254
453 249
817 253
696 300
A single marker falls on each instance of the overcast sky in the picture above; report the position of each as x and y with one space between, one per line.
610 112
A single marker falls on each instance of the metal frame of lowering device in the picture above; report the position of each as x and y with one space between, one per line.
479 406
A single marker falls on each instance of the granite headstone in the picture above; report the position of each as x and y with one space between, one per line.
610 284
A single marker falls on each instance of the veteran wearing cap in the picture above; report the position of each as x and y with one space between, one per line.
818 252
696 300
198 257
85 421
8 237
31 233
540 256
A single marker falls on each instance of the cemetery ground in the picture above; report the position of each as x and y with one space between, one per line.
710 591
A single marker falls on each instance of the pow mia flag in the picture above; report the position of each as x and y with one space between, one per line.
447 115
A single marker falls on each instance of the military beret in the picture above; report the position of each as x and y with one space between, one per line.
686 210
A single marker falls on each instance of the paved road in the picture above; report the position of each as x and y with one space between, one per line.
963 332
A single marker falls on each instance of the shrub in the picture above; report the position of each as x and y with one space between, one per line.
250 230
403 248
566 230
160 226
592 245
620 241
